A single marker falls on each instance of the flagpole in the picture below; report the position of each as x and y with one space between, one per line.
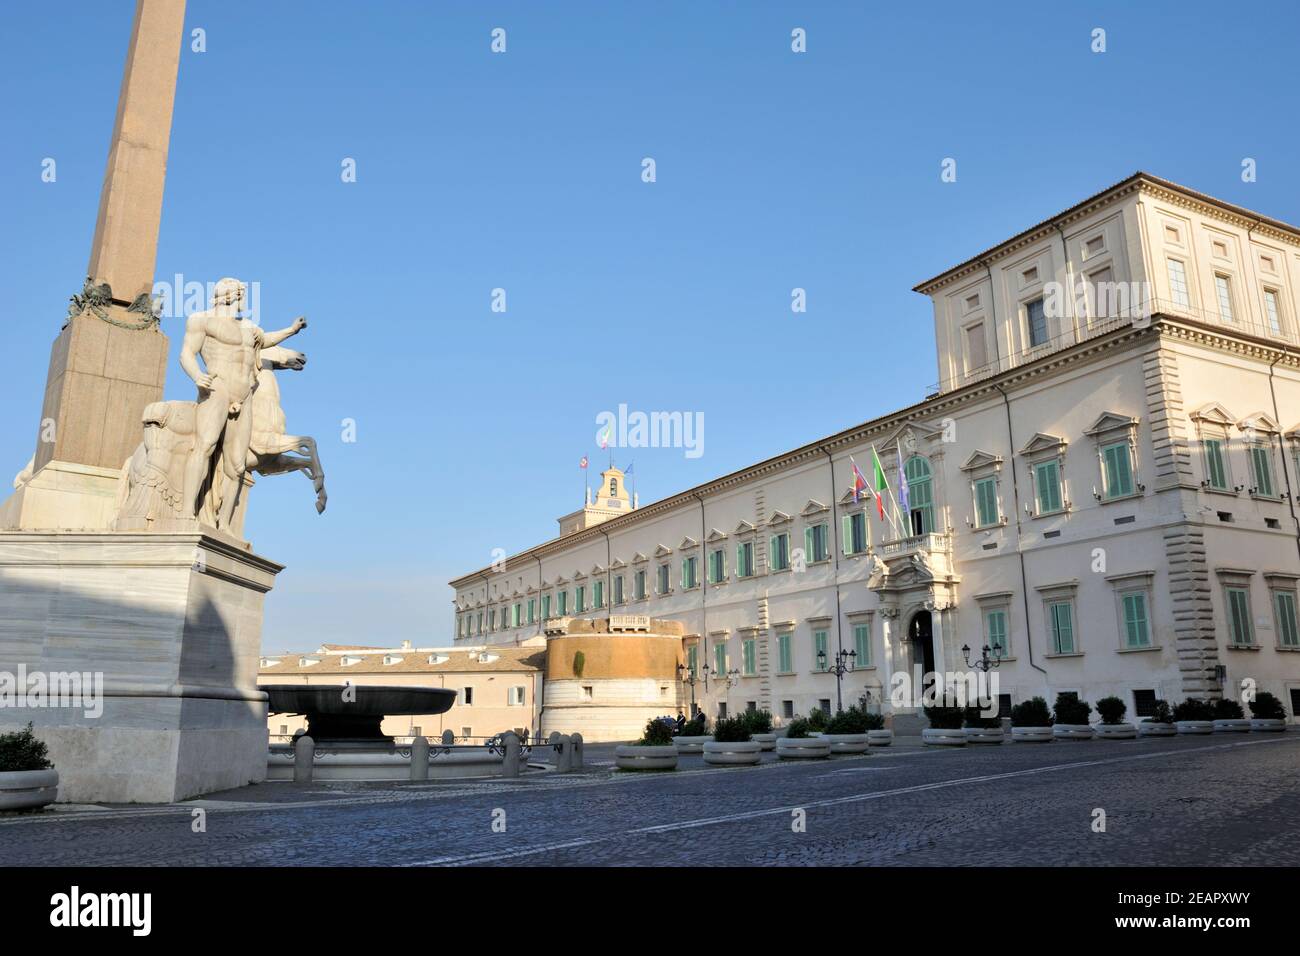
893 522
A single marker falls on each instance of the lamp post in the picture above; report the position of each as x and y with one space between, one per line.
985 663
844 661
688 677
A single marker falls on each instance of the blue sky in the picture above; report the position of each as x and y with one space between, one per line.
522 171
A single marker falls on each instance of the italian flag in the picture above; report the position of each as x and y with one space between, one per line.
881 485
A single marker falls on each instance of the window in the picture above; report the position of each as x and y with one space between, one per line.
562 599
1060 621
467 696
689 573
854 531
1284 611
1137 632
1047 487
749 657
1222 285
664 572
492 619
532 610
693 660
1036 321
466 732
516 614
1216 469
1178 283
598 594
1101 288
546 606
824 705
976 347
862 645
717 566
588 692
778 552
995 632
722 710
480 622
920 495
745 560
784 655
720 658
1261 469
514 696
618 589
638 582
1239 624
1144 703
986 502
613 487
814 543
787 709
820 658
1117 470
1273 310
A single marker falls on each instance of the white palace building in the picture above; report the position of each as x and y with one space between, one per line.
1104 485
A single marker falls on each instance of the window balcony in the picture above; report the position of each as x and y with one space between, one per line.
904 547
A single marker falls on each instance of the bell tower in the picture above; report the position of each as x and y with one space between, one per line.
610 501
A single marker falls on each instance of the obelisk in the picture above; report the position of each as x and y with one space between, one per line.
109 361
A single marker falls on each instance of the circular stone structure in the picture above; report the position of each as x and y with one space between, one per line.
353 713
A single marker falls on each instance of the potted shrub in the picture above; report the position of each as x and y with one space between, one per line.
878 735
1031 722
693 736
1267 714
798 742
760 728
945 728
1229 718
981 729
28 781
1194 716
1070 718
654 751
1160 723
732 745
847 731
817 721
1113 726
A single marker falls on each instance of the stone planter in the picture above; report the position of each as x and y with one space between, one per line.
767 742
1268 725
848 743
1232 725
800 748
691 745
1195 726
1072 731
633 757
1149 728
1032 735
984 735
944 738
28 789
880 738
735 753
1120 731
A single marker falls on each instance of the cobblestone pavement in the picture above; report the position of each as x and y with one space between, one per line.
1185 801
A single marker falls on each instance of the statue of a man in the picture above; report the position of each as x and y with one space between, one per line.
230 347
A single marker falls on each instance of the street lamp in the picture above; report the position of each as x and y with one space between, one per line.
985 663
844 661
688 677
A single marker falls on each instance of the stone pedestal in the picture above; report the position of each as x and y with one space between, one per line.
172 625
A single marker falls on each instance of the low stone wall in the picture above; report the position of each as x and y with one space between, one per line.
444 763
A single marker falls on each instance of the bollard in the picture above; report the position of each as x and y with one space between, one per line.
576 762
510 754
304 751
448 738
564 760
554 739
420 758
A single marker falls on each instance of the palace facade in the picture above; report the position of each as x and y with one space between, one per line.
1103 490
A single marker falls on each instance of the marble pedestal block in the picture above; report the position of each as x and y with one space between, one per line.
173 623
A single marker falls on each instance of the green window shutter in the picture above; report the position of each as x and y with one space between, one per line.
1215 472
862 645
740 561
808 544
1284 605
846 534
783 653
773 554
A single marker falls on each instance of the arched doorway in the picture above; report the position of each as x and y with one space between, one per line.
921 636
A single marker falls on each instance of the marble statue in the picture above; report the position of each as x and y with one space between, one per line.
230 347
194 456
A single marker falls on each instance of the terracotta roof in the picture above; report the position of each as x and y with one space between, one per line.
415 661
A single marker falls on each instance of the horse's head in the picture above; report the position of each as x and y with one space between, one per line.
278 357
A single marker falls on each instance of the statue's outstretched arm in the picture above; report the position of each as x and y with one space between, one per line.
275 338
